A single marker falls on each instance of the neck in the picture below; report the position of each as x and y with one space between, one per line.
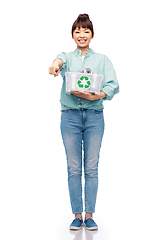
83 50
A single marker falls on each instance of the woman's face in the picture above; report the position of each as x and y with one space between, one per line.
82 37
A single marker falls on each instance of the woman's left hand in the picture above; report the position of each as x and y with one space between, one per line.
88 95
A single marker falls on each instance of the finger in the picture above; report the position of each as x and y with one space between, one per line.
82 93
56 73
51 70
75 93
54 70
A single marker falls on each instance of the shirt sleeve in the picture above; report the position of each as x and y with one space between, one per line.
110 85
63 69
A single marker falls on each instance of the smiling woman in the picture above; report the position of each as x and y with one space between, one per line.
82 122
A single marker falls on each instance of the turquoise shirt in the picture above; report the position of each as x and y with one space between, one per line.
98 63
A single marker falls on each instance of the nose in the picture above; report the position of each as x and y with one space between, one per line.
82 34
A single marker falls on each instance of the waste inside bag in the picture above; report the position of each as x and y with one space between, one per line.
84 81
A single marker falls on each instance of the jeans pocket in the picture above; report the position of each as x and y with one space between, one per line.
98 111
64 111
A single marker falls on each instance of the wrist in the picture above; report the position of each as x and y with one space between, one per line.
103 95
60 63
99 96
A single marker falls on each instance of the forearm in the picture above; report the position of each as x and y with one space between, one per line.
58 62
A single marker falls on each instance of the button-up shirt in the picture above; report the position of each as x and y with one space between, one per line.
98 63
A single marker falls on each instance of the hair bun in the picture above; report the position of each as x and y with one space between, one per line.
83 16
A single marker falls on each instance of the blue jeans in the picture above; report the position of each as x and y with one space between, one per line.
82 132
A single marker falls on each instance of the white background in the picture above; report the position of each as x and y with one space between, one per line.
34 201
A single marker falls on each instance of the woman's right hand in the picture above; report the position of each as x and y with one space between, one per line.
54 68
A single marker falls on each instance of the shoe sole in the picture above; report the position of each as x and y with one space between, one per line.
75 228
91 228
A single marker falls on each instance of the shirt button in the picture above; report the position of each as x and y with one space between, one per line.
79 99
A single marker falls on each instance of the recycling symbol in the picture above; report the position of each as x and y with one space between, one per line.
84 82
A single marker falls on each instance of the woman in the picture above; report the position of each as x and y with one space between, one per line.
82 122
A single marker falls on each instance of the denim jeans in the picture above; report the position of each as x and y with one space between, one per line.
82 132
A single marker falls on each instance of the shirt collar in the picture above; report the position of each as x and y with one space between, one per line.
88 52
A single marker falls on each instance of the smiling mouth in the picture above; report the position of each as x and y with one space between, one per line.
82 41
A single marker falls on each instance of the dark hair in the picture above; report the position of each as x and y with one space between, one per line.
83 21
